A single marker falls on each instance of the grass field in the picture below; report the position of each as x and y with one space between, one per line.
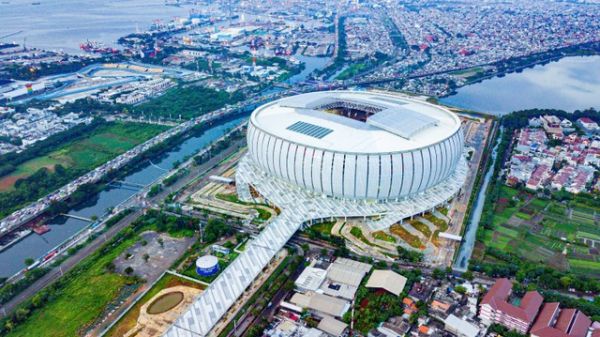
539 229
105 143
129 321
82 300
85 293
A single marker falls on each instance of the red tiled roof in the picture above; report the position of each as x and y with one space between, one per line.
570 322
564 320
546 316
586 120
497 295
580 326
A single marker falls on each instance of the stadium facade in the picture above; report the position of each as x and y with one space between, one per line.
355 145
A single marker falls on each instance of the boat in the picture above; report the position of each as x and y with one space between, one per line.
41 229
97 47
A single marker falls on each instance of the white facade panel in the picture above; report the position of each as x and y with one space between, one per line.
299 165
386 177
327 173
307 168
349 175
291 163
427 168
338 174
361 177
373 183
398 175
270 157
277 157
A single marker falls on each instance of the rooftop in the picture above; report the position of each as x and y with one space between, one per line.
356 122
388 280
497 297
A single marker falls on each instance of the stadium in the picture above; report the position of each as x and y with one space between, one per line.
355 145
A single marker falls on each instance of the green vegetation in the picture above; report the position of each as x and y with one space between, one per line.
357 233
30 73
358 67
539 229
407 237
524 234
375 306
381 235
351 71
64 158
502 331
70 305
409 255
187 102
421 227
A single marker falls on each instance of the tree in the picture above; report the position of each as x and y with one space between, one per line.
565 281
161 242
438 274
94 218
460 289
129 270
146 257
21 314
29 261
468 275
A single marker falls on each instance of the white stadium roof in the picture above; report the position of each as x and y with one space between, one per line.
394 124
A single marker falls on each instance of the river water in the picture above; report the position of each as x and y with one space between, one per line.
569 84
36 246
470 235
311 63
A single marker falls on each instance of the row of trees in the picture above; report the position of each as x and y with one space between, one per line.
188 102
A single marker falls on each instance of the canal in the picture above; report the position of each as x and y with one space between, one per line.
466 248
36 246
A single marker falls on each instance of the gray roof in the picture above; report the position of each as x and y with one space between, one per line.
388 280
332 326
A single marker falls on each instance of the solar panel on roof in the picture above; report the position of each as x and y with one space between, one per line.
402 122
310 129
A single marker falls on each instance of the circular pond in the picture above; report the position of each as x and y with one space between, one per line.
165 303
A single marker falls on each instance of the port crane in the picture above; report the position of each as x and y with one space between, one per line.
11 34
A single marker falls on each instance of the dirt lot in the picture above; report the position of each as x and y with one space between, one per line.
159 258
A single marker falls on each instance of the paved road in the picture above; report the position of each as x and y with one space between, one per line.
204 169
